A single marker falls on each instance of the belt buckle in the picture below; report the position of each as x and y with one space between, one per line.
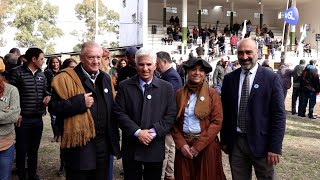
191 137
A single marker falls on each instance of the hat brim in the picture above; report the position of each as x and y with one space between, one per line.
197 61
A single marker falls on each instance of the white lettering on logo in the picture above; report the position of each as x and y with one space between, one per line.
289 15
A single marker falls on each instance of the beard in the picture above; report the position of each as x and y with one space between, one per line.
248 63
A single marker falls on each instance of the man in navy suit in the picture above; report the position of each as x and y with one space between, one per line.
145 109
169 74
252 132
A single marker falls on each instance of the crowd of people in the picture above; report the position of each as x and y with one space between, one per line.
175 137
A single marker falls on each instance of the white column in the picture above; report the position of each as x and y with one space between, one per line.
262 6
200 4
232 6
184 24
164 3
97 21
145 24
184 13
293 28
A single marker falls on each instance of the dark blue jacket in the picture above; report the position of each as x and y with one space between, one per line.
172 76
266 117
155 108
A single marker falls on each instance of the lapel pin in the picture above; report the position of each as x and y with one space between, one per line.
106 90
256 86
149 97
201 98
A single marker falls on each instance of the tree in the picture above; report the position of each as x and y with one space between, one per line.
5 10
85 11
36 24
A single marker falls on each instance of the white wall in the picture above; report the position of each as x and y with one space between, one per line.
129 31
309 14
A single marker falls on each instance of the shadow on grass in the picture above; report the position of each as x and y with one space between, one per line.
304 120
301 133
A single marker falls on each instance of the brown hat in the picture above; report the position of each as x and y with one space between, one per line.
2 66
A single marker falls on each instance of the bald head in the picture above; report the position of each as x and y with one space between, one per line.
247 53
248 41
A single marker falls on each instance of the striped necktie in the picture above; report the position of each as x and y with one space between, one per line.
243 103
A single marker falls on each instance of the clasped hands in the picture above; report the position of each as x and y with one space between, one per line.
189 152
145 137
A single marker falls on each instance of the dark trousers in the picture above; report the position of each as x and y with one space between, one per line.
28 137
54 126
135 170
100 173
241 162
311 97
296 93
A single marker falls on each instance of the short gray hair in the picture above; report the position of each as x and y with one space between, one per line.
146 52
89 44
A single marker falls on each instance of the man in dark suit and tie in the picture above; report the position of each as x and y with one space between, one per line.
169 74
145 109
253 116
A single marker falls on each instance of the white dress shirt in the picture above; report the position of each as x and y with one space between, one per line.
191 123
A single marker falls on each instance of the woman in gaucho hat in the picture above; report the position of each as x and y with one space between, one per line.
199 120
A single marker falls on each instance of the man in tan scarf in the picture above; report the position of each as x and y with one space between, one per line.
83 99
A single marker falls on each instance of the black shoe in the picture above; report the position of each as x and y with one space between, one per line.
36 177
312 117
302 115
294 113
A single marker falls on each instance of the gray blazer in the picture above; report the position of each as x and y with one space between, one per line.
133 110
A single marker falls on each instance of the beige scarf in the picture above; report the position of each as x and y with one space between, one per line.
201 109
78 129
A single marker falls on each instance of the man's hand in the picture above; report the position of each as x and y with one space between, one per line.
273 158
88 99
46 100
145 137
19 121
193 151
185 149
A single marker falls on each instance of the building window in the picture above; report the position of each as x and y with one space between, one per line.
229 13
256 15
134 18
173 10
204 12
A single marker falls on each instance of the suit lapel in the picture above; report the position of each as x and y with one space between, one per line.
236 86
107 90
257 83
